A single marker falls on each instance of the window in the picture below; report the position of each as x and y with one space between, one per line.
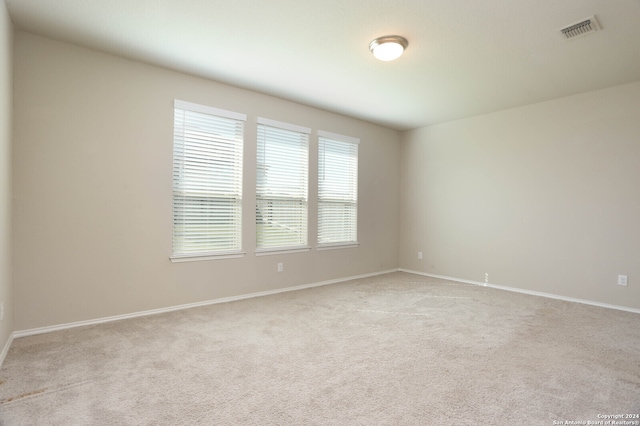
281 185
207 181
337 189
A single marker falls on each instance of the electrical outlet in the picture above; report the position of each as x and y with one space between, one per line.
280 267
420 255
486 278
1 311
622 280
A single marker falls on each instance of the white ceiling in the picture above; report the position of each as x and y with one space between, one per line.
465 57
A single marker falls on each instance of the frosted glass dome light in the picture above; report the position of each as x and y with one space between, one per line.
388 48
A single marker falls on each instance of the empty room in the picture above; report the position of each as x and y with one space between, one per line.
420 212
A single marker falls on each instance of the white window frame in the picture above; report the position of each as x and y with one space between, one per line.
197 152
344 177
282 136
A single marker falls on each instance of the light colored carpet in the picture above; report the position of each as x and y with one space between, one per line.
396 349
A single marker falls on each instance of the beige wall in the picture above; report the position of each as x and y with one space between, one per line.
544 197
92 185
6 73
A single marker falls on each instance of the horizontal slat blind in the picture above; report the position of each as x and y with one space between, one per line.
337 189
207 180
281 186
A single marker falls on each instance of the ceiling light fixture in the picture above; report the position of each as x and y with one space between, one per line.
388 48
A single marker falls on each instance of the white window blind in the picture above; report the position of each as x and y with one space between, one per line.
281 185
337 189
207 180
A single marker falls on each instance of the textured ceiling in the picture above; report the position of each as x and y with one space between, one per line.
465 57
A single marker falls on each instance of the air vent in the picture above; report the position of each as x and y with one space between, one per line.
582 28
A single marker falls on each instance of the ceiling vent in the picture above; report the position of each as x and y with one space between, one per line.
582 28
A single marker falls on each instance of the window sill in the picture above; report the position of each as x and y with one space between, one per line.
210 256
282 250
337 246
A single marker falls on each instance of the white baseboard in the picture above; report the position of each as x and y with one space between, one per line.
5 350
48 329
530 292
